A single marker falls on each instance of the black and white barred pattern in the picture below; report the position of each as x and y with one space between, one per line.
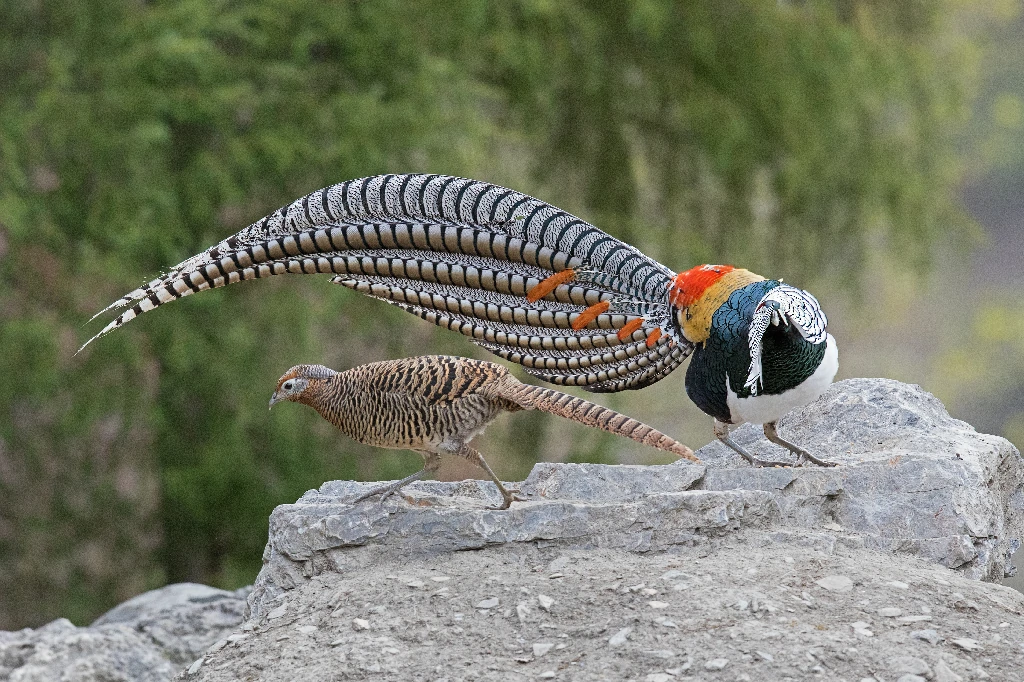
462 254
800 308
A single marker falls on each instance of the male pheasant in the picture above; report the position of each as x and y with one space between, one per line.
436 404
537 286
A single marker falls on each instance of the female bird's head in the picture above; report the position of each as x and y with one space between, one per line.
296 381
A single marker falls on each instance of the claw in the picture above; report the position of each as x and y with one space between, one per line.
513 496
802 456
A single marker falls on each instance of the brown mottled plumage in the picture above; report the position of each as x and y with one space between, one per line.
436 404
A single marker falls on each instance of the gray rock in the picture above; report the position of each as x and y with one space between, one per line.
931 636
967 644
943 673
620 637
61 651
904 459
312 535
835 583
914 482
910 665
609 483
181 620
146 639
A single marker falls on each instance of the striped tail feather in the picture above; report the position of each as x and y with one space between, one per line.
454 251
532 397
633 375
538 335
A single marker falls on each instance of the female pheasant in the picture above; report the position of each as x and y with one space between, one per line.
534 285
435 404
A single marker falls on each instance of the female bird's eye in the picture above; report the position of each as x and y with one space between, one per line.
288 385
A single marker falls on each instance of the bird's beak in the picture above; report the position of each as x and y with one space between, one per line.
273 399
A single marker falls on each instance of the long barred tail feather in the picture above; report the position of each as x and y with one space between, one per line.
463 254
532 397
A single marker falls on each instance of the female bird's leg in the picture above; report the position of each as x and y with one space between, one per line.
722 434
430 464
475 457
772 434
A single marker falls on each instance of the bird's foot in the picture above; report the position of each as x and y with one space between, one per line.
508 497
755 462
384 491
802 457
722 433
771 432
388 489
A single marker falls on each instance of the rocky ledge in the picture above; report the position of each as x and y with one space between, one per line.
913 480
879 569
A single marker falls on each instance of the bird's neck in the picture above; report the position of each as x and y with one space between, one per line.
698 293
317 396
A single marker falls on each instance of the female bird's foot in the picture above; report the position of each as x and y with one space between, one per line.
385 491
772 434
508 497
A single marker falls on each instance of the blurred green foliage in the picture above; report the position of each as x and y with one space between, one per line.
786 136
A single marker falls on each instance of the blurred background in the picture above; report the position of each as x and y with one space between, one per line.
871 151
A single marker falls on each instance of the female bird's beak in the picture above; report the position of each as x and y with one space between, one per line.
273 399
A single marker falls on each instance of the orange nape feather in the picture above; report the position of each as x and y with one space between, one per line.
689 286
290 375
630 327
590 314
549 284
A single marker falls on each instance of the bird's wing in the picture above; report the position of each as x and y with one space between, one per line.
788 304
462 254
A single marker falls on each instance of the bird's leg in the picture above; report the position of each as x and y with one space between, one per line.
430 464
772 434
475 457
722 434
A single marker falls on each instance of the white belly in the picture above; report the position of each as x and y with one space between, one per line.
762 409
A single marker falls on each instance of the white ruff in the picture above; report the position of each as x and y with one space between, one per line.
762 409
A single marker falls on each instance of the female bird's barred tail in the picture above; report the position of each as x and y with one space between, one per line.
532 397
519 277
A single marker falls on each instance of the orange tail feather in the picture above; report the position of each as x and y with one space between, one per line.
630 327
590 314
549 284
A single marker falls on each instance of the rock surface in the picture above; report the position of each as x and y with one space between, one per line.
147 639
619 615
913 481
917 481
875 570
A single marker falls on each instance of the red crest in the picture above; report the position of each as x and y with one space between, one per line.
688 287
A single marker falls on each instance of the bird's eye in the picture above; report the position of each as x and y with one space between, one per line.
288 385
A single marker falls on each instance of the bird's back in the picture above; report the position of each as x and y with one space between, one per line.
412 402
